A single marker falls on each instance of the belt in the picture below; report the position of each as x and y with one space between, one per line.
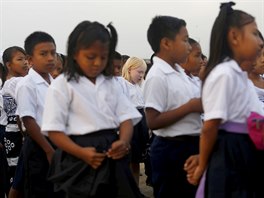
182 137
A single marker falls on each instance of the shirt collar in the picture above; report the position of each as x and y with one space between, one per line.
234 65
37 77
163 65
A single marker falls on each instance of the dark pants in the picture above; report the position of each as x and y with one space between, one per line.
167 160
36 168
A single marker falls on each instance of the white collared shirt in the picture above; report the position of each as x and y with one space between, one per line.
78 108
135 94
30 96
167 89
228 94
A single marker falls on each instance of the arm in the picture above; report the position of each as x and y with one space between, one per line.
207 141
121 147
87 154
157 120
33 130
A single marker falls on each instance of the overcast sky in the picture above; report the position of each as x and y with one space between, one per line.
20 18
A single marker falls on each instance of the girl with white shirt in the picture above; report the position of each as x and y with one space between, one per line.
14 59
133 72
227 154
84 107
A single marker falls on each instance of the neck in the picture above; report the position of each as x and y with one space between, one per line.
166 59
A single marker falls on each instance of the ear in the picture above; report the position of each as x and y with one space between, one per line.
8 65
29 59
234 36
165 43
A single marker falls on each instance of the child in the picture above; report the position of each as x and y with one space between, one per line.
117 63
58 66
133 72
16 65
256 74
30 94
4 181
226 151
172 111
193 64
92 158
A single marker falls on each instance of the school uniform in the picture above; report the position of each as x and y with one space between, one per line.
228 95
4 179
89 114
30 96
13 138
140 136
165 89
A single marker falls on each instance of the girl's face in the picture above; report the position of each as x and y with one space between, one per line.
18 66
249 43
58 68
93 60
194 60
137 74
259 65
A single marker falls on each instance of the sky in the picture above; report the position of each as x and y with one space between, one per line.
131 19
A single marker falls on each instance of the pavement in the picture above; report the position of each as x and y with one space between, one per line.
146 190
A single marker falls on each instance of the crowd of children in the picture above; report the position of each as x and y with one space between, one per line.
79 125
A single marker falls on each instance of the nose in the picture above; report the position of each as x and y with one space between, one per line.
98 61
51 56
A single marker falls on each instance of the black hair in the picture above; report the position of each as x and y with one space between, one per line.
219 47
35 38
203 56
7 56
124 58
192 41
261 36
83 36
161 27
117 56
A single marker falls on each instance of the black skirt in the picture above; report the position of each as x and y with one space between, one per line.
79 180
140 140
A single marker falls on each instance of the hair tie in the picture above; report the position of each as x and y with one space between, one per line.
228 6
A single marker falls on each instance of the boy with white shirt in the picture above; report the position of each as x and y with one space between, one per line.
30 94
172 111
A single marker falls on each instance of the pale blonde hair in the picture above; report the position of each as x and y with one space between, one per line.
132 63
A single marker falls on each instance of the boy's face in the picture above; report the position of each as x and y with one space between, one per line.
43 59
180 46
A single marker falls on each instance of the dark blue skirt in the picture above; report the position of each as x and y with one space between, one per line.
232 169
112 179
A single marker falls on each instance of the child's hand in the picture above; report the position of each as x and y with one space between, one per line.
49 154
92 157
118 149
196 105
190 164
194 178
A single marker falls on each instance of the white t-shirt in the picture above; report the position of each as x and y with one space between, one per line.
228 94
78 108
166 89
30 96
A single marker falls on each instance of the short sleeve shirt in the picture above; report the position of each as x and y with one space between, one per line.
30 96
78 108
166 89
228 95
